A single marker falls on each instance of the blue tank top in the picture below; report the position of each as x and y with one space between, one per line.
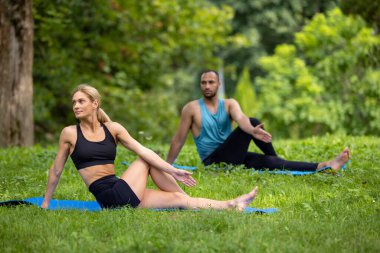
215 129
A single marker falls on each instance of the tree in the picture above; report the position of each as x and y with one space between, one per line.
369 10
246 95
125 48
343 52
264 24
326 82
290 96
16 83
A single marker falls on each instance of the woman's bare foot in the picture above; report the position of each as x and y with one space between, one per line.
339 161
241 202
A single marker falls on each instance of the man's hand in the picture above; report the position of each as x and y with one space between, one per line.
184 177
260 134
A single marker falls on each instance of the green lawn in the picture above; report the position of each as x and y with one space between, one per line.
317 213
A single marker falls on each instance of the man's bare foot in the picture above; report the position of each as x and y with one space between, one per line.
241 202
340 160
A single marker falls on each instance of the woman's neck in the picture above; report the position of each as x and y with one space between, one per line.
91 124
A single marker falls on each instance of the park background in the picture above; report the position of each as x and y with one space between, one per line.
308 69
304 68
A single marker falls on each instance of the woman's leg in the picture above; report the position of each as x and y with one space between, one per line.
137 174
164 181
161 199
136 177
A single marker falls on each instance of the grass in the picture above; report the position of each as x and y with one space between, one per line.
317 213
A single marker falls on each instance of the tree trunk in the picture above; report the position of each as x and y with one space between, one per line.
16 82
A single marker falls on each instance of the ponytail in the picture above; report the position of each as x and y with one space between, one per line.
102 116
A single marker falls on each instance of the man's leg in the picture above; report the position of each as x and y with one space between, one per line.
235 147
233 150
267 148
260 162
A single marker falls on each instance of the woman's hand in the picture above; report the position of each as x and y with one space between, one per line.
44 205
184 177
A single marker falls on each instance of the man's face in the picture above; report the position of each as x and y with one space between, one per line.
209 84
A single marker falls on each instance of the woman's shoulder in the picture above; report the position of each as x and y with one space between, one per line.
69 130
113 126
68 134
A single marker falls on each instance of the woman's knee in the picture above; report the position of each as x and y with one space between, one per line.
179 195
140 160
179 198
160 199
140 163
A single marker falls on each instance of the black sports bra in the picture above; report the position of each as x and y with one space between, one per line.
88 153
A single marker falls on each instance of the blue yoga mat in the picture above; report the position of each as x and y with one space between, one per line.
277 172
93 206
298 173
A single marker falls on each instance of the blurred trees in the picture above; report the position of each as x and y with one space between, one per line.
130 50
369 10
246 95
327 82
310 77
290 95
262 25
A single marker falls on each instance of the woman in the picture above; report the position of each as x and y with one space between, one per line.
92 147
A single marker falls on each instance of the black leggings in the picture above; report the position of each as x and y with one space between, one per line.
234 150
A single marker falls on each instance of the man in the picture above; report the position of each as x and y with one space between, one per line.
209 119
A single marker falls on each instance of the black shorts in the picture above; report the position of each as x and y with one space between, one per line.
113 192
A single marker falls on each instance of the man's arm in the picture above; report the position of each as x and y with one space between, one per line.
180 137
244 123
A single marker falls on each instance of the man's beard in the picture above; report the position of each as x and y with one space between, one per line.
210 95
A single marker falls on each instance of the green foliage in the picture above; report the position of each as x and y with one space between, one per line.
367 9
344 54
262 25
329 84
246 95
119 45
146 115
317 213
289 95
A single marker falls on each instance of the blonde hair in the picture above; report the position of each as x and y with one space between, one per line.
93 95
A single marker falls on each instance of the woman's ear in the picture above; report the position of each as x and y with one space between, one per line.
95 104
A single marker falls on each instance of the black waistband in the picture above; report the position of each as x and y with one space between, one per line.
94 186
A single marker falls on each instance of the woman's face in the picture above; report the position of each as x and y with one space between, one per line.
82 105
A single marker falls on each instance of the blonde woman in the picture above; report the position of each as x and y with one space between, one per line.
92 147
